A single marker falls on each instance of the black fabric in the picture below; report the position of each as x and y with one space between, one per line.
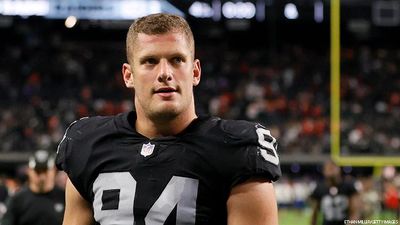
28 208
218 153
110 199
3 193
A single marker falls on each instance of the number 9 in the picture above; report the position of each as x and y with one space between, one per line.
269 145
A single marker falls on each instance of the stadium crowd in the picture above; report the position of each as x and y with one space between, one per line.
48 81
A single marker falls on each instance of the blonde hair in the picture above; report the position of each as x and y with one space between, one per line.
154 24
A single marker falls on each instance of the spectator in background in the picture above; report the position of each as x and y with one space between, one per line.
40 202
390 192
3 197
336 198
370 198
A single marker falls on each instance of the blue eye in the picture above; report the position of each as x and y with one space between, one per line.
177 59
151 61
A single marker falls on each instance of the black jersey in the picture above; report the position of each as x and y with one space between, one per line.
182 179
29 208
334 201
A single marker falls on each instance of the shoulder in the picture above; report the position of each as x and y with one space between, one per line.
238 131
90 128
86 125
245 149
239 128
76 146
252 134
80 131
22 194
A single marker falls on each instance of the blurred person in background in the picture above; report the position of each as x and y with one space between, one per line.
3 197
40 202
370 198
390 192
336 198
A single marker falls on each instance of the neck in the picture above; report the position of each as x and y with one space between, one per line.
163 126
334 180
40 188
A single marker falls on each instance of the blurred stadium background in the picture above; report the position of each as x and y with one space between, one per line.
263 60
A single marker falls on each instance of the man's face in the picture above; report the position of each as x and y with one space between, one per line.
42 179
163 73
331 170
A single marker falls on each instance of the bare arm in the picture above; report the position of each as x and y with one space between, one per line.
77 209
354 206
252 202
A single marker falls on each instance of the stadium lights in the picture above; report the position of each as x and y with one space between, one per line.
238 10
230 10
201 10
130 8
25 8
87 9
70 22
291 11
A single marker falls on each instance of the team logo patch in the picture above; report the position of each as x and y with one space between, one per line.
147 149
59 207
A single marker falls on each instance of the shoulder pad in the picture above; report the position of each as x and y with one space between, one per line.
240 130
85 125
77 133
255 149
250 133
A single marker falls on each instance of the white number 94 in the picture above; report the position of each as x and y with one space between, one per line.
268 143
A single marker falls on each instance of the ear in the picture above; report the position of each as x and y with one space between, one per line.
196 72
127 75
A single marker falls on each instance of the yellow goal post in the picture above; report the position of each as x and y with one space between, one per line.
376 160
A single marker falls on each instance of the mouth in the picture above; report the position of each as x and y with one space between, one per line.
165 90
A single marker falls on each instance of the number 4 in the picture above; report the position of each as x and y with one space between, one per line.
267 145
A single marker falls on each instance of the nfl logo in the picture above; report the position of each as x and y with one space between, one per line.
147 149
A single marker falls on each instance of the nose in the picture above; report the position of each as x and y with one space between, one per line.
165 71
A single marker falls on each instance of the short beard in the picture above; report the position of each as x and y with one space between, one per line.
162 117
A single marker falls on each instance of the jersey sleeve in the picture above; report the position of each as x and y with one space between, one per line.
253 150
72 156
62 149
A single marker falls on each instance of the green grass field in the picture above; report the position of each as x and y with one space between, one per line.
294 217
302 217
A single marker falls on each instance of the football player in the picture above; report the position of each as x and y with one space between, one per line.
161 163
40 202
336 198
